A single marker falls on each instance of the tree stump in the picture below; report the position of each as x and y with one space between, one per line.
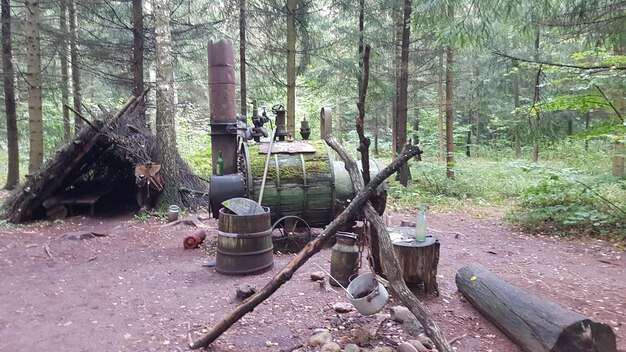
418 260
533 323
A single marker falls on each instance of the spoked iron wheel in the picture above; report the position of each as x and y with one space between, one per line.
290 234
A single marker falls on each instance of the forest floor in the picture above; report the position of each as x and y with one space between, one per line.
137 289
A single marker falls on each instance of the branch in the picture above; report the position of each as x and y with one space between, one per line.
540 62
390 262
610 103
83 118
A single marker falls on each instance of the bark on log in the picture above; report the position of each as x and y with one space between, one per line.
419 263
390 263
533 323
311 248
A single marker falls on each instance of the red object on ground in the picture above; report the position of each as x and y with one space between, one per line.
193 241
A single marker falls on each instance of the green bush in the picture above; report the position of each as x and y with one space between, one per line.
566 202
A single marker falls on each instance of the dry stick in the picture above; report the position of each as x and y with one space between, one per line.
609 102
311 248
82 118
390 262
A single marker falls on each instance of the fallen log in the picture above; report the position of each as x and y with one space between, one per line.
391 265
533 323
311 248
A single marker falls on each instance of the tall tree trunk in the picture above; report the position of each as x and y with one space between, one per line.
442 145
338 126
518 142
165 108
402 94
449 106
361 43
619 98
291 67
476 110
33 78
13 174
516 104
587 120
536 101
401 89
397 63
416 121
138 45
77 98
570 125
618 158
242 58
449 112
376 132
65 84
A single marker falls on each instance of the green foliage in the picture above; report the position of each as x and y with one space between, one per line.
560 203
142 217
569 193
478 181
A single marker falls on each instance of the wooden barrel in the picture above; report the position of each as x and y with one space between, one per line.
244 243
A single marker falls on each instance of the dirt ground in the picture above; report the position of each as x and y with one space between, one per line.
137 289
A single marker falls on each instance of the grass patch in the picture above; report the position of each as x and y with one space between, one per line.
568 193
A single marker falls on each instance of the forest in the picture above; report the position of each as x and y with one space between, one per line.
518 106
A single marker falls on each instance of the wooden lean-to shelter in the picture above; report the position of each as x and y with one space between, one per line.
96 171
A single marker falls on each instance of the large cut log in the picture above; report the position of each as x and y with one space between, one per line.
311 248
418 260
532 322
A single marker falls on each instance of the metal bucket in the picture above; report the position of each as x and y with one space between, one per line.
367 295
244 243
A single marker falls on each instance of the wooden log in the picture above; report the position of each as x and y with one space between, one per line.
311 248
418 260
533 323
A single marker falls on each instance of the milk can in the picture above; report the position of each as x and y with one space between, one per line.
343 259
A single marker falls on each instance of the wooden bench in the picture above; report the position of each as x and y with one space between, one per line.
89 199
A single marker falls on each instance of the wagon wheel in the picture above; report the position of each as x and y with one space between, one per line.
290 230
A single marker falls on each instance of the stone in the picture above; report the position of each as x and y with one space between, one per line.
244 291
382 349
406 347
336 321
401 314
320 339
331 347
426 341
412 327
360 336
418 345
342 307
351 348
317 276
318 330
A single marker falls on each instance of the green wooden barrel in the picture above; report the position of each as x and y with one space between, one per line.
311 185
244 243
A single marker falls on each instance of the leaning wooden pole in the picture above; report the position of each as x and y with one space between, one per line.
533 323
389 261
307 252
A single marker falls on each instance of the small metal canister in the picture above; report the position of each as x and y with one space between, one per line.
172 213
344 259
